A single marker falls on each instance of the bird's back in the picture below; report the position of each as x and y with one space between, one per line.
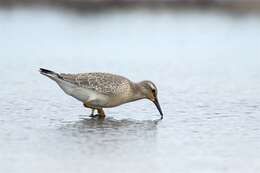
103 83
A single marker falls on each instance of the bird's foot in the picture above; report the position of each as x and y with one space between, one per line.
93 116
92 113
101 114
97 116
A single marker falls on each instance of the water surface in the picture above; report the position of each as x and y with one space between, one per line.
205 64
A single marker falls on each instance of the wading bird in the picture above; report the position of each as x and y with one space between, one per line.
103 90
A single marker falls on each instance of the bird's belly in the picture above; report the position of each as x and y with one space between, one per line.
83 94
114 101
90 97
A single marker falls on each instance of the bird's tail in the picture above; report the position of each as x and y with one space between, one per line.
49 73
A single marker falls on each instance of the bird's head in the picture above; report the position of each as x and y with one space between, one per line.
149 91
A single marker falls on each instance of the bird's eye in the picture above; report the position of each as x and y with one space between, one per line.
154 92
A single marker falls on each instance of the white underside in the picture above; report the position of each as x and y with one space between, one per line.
82 94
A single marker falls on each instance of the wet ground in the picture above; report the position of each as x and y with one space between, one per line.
206 67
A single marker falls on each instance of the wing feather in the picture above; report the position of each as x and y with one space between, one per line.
104 83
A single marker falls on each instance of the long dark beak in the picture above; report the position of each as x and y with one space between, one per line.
156 102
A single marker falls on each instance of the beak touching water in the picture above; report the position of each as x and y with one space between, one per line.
156 102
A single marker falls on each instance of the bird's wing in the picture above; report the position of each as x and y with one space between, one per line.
104 83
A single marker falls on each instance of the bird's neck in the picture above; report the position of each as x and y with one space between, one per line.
137 92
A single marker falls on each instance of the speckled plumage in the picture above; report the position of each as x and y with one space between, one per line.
103 90
104 83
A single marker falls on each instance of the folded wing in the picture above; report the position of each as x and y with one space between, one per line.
104 83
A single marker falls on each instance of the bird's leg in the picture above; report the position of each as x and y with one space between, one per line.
92 110
84 104
101 112
92 113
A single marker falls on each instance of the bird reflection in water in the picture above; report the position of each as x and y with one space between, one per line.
104 130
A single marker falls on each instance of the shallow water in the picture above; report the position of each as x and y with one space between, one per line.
205 64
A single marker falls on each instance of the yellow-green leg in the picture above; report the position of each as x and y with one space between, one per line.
101 112
92 110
